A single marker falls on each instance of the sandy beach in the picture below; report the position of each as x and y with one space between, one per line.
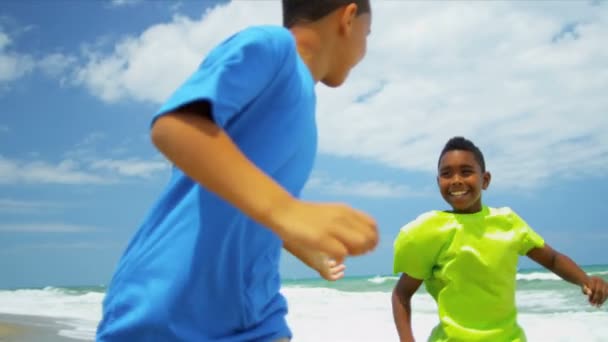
8 331
18 328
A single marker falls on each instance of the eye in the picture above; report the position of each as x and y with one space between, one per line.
467 172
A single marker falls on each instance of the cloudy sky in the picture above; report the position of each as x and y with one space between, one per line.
79 81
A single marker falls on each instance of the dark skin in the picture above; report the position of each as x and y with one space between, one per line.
461 181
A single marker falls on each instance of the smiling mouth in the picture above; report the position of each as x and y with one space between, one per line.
458 193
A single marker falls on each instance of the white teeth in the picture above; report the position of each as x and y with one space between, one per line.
457 193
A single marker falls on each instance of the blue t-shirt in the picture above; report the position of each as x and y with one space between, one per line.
198 269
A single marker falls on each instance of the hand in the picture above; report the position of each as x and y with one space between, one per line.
328 268
336 230
596 289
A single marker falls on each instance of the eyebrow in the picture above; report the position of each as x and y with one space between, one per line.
461 166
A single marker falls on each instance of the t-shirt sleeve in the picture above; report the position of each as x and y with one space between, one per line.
234 73
417 247
528 238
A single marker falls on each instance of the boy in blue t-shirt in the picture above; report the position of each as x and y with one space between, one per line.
241 132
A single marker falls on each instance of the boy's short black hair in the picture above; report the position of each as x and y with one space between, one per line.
303 11
463 144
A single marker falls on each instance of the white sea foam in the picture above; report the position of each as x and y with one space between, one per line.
382 279
550 276
322 314
330 315
80 311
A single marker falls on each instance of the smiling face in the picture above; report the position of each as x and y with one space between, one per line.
461 181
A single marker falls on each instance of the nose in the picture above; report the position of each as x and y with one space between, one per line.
456 180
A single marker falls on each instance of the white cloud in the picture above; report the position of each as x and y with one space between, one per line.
489 72
130 167
13 206
13 65
526 81
76 172
150 66
4 40
368 189
56 65
123 3
45 228
85 163
64 172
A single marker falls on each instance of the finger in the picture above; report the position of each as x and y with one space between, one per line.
604 296
586 290
367 219
354 241
596 295
334 249
337 269
590 296
369 235
366 223
369 227
336 276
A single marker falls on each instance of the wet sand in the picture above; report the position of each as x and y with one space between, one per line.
17 328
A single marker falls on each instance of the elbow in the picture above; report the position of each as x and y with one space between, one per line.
398 298
553 261
159 133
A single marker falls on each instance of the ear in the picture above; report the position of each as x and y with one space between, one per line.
487 177
347 16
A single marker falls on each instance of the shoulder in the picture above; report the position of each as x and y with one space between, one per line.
507 214
427 223
265 40
500 211
279 36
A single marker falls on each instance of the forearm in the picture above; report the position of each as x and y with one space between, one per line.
402 313
568 270
205 153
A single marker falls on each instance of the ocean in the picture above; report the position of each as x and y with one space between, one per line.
350 310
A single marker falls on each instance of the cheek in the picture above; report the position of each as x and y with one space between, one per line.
362 50
443 186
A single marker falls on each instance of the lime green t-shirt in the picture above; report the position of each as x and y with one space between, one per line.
469 264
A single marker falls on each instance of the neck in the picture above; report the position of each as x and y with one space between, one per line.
476 208
310 46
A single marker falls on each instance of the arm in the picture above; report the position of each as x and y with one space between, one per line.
203 151
596 288
402 309
559 264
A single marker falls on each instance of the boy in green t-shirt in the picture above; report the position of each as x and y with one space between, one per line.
467 257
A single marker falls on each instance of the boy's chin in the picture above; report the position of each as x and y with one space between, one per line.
334 81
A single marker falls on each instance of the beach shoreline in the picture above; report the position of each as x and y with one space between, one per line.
25 328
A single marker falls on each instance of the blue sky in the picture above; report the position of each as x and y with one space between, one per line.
79 81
